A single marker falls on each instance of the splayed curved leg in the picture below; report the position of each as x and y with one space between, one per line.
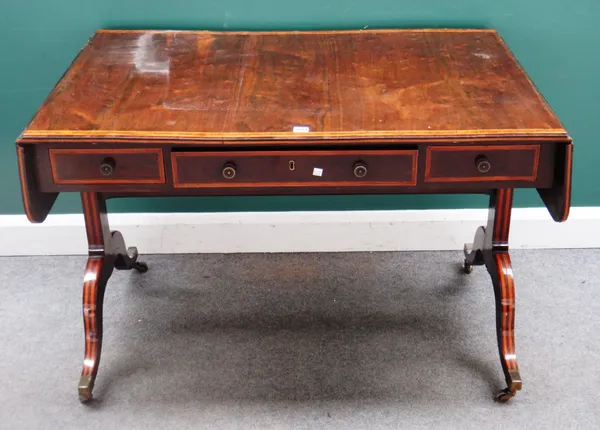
504 290
97 272
474 251
107 251
490 247
127 258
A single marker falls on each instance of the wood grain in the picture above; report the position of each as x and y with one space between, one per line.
37 204
97 271
416 108
557 198
457 163
260 85
270 169
499 266
82 166
490 248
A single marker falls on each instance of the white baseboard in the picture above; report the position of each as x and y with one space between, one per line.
340 231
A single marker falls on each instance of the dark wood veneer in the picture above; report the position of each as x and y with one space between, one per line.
260 85
557 198
131 166
490 248
107 251
423 110
272 169
37 204
458 163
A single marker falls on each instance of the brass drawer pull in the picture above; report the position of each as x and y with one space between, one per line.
483 164
229 171
107 167
360 170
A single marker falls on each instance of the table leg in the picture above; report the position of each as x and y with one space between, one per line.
107 251
474 251
490 247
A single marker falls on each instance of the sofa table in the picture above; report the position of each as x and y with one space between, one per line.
198 113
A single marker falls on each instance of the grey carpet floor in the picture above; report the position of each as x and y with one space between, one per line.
307 341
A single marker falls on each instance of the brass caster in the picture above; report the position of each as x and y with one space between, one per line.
86 384
140 266
467 267
85 400
132 252
505 395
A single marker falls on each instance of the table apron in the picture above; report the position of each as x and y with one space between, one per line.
172 170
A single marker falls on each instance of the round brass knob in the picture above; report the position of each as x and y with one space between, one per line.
360 170
483 164
229 171
107 167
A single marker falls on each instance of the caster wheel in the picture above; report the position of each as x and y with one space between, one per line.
132 252
467 267
85 400
140 266
504 396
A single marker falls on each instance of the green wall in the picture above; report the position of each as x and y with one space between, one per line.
557 42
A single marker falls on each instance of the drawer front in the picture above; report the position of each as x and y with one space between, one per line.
107 166
482 163
294 168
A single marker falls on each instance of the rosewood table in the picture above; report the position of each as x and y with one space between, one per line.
196 113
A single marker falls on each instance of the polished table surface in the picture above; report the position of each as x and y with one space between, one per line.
167 113
226 86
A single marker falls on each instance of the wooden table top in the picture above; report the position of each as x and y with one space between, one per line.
231 86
